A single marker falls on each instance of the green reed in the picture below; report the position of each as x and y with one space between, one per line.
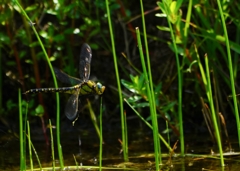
149 125
101 136
124 136
157 152
171 13
29 146
211 101
207 82
229 57
55 84
52 145
22 142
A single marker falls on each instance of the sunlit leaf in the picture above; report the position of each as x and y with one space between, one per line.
143 104
32 7
44 34
134 99
39 111
130 86
168 130
161 15
76 31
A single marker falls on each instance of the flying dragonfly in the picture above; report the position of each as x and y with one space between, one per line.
83 86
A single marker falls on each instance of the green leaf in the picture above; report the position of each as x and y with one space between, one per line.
163 28
143 104
32 7
39 111
4 38
134 99
44 34
130 86
11 104
167 107
173 7
34 44
59 38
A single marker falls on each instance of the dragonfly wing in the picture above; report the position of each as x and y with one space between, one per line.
85 62
65 78
71 108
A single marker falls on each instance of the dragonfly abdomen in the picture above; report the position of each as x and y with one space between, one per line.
69 90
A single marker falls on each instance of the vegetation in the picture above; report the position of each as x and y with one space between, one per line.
170 65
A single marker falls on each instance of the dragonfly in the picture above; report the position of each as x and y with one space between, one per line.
83 86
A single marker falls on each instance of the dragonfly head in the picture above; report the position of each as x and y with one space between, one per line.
99 88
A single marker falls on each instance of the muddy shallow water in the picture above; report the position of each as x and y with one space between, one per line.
83 143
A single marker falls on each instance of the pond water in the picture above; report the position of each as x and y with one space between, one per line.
83 143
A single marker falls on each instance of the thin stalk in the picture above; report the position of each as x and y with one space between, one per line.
168 134
126 129
29 146
22 157
52 145
55 84
101 136
230 69
124 143
207 83
1 81
76 163
93 118
25 128
180 118
180 78
35 152
236 55
149 125
149 72
157 153
209 91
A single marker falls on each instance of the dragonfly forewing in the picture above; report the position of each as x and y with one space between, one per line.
85 62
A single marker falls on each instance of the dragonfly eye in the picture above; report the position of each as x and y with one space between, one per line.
100 88
99 85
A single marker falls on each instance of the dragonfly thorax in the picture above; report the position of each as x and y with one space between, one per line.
91 87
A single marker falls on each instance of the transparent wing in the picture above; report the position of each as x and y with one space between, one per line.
71 108
85 62
65 78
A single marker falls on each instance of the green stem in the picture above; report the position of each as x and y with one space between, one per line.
29 146
55 84
149 73
157 153
22 157
180 78
124 143
150 126
101 137
209 91
230 69
52 145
